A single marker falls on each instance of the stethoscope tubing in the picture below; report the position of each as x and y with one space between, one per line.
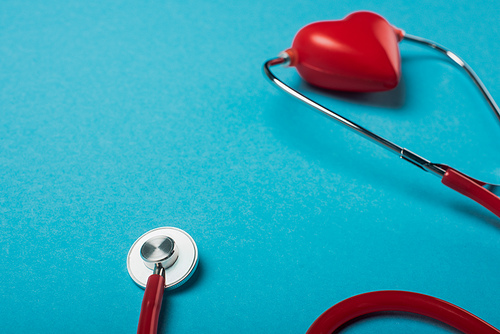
400 301
151 305
460 62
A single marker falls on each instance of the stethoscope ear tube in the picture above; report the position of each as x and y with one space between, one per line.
400 301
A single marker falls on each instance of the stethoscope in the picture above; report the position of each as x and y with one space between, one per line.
166 257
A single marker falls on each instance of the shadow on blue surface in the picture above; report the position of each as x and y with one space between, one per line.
391 99
475 211
165 307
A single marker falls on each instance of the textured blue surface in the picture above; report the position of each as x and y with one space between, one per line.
117 117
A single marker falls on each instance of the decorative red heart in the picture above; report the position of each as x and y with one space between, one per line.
359 53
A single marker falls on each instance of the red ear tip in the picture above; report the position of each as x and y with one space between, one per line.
400 34
293 57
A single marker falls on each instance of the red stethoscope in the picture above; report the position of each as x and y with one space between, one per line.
359 53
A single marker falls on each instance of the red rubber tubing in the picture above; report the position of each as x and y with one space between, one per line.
151 305
402 301
472 188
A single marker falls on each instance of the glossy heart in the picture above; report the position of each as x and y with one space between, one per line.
359 53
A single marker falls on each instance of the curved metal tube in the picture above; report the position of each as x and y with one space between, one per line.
486 194
460 62
403 153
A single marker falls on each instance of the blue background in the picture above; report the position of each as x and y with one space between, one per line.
117 117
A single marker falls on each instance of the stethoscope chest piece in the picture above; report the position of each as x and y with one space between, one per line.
168 247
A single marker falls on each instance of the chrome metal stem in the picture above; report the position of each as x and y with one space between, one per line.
159 270
460 62
403 153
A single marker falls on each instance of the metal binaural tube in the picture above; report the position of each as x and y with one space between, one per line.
460 62
403 153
